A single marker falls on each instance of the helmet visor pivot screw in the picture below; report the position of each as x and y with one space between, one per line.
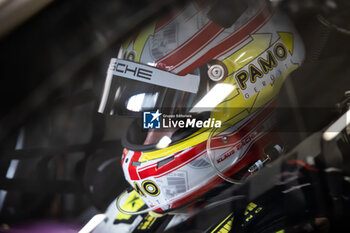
216 72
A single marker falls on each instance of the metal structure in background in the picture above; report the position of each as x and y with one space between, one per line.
106 27
51 69
15 12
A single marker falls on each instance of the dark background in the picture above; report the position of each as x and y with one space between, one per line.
52 69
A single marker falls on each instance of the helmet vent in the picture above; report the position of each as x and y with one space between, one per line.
135 163
199 163
165 161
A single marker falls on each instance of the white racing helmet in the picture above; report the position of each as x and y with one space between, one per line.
217 67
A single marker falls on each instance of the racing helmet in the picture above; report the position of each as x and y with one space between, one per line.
201 82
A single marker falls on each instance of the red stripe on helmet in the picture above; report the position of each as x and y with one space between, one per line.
232 41
166 20
218 145
240 133
198 50
182 159
133 169
268 15
253 153
178 161
159 61
189 47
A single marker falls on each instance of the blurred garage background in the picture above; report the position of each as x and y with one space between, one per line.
59 158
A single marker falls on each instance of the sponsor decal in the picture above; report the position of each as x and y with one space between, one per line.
150 188
147 186
265 69
122 68
147 223
139 190
151 120
157 120
242 143
148 74
191 123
